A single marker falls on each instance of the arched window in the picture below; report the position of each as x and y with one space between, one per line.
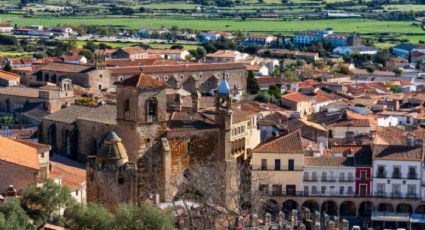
151 110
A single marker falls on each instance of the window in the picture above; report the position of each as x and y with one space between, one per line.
127 105
323 190
314 176
305 190
263 164
76 192
363 175
350 190
152 109
396 172
314 190
277 189
350 176
277 164
341 176
324 176
120 180
99 86
291 165
381 172
412 172
411 191
341 190
381 188
396 190
264 188
305 176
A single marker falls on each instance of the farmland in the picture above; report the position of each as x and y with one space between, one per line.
363 26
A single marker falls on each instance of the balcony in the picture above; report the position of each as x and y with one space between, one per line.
381 174
330 179
396 176
346 179
380 194
412 176
396 195
412 196
310 179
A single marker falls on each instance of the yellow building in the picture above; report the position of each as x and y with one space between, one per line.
277 165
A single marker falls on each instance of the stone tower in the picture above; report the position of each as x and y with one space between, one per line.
230 173
110 169
100 60
141 122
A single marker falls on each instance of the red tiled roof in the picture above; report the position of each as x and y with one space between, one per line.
17 153
290 143
296 97
9 76
71 177
192 67
268 80
144 82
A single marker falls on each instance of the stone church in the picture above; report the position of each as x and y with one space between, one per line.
142 148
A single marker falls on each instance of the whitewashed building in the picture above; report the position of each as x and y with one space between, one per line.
329 176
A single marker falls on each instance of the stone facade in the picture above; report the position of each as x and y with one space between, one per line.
52 99
200 77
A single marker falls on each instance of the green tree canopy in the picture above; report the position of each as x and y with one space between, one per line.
252 84
92 216
12 216
41 203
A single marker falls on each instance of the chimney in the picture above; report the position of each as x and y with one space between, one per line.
11 191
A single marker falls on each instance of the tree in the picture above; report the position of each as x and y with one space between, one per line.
274 90
91 45
93 216
153 218
199 53
12 216
264 96
86 53
177 47
290 76
41 203
252 84
7 120
370 69
203 184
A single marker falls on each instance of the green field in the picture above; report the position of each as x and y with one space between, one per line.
80 44
252 25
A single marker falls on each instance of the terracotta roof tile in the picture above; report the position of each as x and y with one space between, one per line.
71 177
17 153
397 152
144 82
9 76
296 97
191 67
352 123
328 161
290 143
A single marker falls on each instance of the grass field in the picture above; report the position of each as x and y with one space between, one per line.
13 54
265 26
80 44
406 7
